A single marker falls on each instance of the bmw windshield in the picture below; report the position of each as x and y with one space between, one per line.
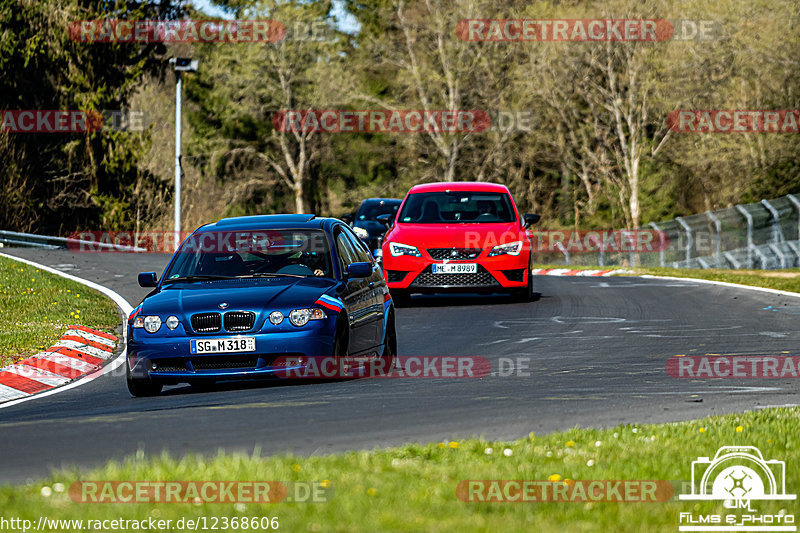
212 255
457 207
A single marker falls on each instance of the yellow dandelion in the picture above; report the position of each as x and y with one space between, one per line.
554 477
441 445
296 467
739 429
372 491
325 483
77 296
453 445
702 430
569 482
570 443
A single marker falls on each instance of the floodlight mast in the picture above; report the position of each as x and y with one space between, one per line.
179 64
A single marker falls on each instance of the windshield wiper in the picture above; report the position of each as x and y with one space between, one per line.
201 277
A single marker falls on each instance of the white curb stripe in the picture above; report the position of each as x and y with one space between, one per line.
66 360
90 336
8 393
576 272
124 307
83 348
36 374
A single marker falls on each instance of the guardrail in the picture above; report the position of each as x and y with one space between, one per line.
31 240
761 235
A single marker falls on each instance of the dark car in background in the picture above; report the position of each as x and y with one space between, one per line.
365 221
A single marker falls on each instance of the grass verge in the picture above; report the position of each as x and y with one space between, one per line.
785 280
413 488
37 306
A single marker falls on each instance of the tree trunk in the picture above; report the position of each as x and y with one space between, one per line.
299 201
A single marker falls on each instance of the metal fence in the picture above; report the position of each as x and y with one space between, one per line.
763 235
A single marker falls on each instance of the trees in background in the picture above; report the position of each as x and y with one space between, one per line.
584 140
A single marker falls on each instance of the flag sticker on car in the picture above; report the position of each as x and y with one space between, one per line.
330 303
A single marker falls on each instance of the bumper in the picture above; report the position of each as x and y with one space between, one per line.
168 359
494 274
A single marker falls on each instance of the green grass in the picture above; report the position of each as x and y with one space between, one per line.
786 279
413 488
37 306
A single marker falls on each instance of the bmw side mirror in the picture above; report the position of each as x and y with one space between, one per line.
348 218
359 270
386 219
148 279
530 219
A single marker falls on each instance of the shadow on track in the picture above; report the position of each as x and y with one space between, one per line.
466 299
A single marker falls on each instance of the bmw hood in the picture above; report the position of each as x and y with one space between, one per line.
257 295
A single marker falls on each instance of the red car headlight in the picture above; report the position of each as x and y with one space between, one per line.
397 249
511 248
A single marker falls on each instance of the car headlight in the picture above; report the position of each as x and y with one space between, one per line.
172 322
300 317
276 317
152 323
511 248
361 232
397 249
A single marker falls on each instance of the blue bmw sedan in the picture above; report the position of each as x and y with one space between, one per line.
251 297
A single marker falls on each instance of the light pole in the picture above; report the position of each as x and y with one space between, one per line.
180 64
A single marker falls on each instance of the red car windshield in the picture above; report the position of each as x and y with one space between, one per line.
457 207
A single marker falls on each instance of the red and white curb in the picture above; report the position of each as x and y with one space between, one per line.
79 351
80 335
568 272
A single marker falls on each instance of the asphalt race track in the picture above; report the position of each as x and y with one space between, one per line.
596 347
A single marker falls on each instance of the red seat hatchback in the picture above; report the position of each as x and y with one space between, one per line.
458 236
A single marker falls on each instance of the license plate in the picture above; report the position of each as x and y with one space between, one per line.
227 345
455 268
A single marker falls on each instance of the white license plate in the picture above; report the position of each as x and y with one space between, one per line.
226 345
455 268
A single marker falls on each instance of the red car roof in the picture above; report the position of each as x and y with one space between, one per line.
480 186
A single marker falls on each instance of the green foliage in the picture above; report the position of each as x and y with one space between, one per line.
573 165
